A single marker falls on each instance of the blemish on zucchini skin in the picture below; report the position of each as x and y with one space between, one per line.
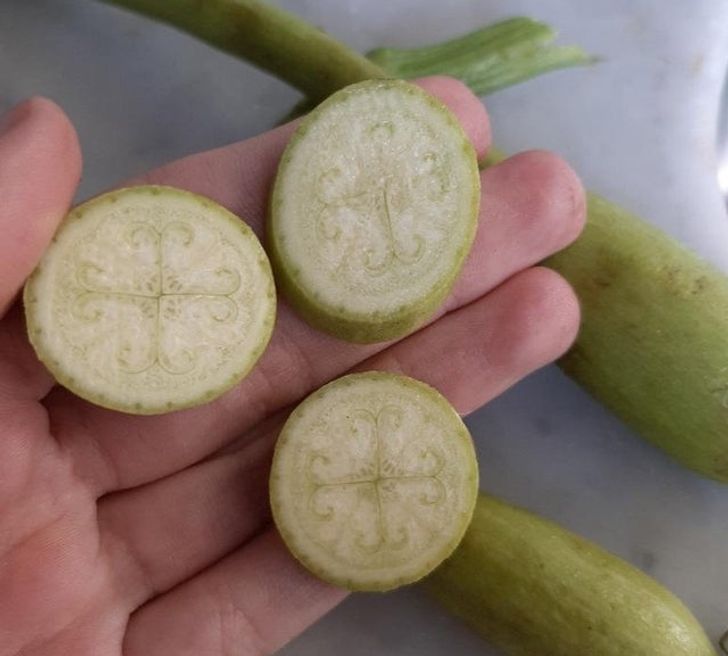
683 282
700 285
603 282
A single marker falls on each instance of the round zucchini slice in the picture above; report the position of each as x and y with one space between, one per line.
373 211
374 481
150 299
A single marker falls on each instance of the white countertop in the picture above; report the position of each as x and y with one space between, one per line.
639 127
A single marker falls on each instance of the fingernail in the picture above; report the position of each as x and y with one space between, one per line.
12 117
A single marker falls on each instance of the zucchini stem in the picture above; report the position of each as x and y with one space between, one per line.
488 59
271 39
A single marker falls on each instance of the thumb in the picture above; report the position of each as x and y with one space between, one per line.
40 166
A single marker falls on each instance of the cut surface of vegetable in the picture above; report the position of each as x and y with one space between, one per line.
374 481
374 210
150 299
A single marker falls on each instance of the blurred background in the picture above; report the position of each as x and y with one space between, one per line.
640 128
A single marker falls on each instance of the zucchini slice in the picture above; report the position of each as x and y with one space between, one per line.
374 481
374 209
151 299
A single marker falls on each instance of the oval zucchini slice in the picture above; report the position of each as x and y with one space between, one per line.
373 211
374 481
150 299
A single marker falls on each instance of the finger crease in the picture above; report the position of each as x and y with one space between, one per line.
131 571
236 629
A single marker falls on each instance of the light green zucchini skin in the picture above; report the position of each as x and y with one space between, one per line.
653 344
534 589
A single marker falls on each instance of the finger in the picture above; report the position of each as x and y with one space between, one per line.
118 451
469 110
22 377
473 355
532 205
252 602
40 165
171 529
258 597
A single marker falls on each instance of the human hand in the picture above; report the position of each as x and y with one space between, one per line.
151 536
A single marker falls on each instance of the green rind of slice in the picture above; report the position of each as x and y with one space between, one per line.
151 299
373 211
374 481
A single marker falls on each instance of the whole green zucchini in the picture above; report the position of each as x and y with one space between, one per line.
532 588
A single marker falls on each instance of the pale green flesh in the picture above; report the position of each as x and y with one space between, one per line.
531 587
150 299
373 481
374 209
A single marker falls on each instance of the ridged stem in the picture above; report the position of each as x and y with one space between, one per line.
488 59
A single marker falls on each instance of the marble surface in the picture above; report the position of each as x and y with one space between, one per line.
639 127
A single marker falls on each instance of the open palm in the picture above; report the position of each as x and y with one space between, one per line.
151 536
